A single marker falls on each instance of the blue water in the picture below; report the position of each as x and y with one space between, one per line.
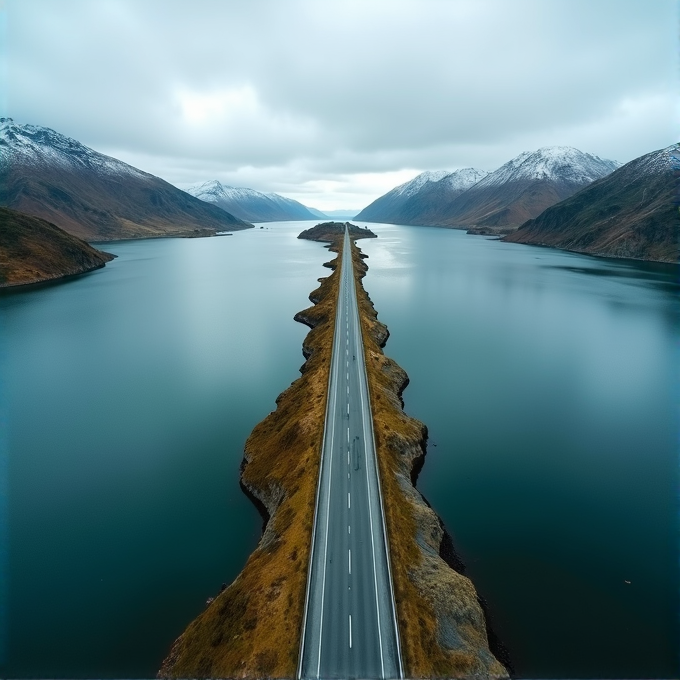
548 382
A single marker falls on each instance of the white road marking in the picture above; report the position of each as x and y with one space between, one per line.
350 560
350 631
349 501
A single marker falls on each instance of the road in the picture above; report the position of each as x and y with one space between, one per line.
350 626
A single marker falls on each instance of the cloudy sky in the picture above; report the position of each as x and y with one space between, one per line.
335 102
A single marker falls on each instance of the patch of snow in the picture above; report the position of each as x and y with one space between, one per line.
463 179
214 191
414 185
36 145
658 162
554 163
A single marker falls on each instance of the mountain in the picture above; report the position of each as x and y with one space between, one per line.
401 204
93 196
33 250
341 214
317 213
524 187
501 200
633 213
251 205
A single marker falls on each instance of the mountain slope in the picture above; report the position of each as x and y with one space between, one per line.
633 213
251 205
93 196
524 187
33 250
501 200
400 204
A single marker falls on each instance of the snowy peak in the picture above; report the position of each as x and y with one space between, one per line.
460 180
414 185
657 162
552 163
249 204
36 145
214 191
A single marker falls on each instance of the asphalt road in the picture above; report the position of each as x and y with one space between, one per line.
350 627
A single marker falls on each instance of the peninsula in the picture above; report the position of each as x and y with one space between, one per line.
253 627
33 250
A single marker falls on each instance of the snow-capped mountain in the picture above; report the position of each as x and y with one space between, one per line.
553 164
251 205
93 196
413 186
392 206
631 212
33 145
519 190
524 187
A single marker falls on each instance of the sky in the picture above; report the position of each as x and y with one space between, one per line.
333 103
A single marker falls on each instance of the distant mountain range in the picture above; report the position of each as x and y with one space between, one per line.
339 214
93 196
632 212
500 200
251 205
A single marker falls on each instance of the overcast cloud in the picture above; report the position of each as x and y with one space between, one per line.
333 103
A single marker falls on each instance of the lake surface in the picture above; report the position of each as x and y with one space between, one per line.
548 381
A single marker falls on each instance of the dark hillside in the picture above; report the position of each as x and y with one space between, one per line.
33 250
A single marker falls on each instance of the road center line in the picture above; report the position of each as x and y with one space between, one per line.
350 631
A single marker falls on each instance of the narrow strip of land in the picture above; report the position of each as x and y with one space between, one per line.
350 627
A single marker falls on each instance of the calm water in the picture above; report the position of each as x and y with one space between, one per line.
548 382
128 395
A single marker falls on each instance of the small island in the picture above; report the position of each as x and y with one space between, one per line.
329 231
33 250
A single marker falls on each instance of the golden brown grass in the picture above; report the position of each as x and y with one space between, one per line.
33 250
252 628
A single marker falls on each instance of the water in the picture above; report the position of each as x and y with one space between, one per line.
128 395
548 382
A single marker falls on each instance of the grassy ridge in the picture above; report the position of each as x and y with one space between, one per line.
441 624
252 628
33 250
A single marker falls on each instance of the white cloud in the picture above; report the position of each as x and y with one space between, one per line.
321 99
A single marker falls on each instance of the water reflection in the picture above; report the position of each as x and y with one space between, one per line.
549 383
